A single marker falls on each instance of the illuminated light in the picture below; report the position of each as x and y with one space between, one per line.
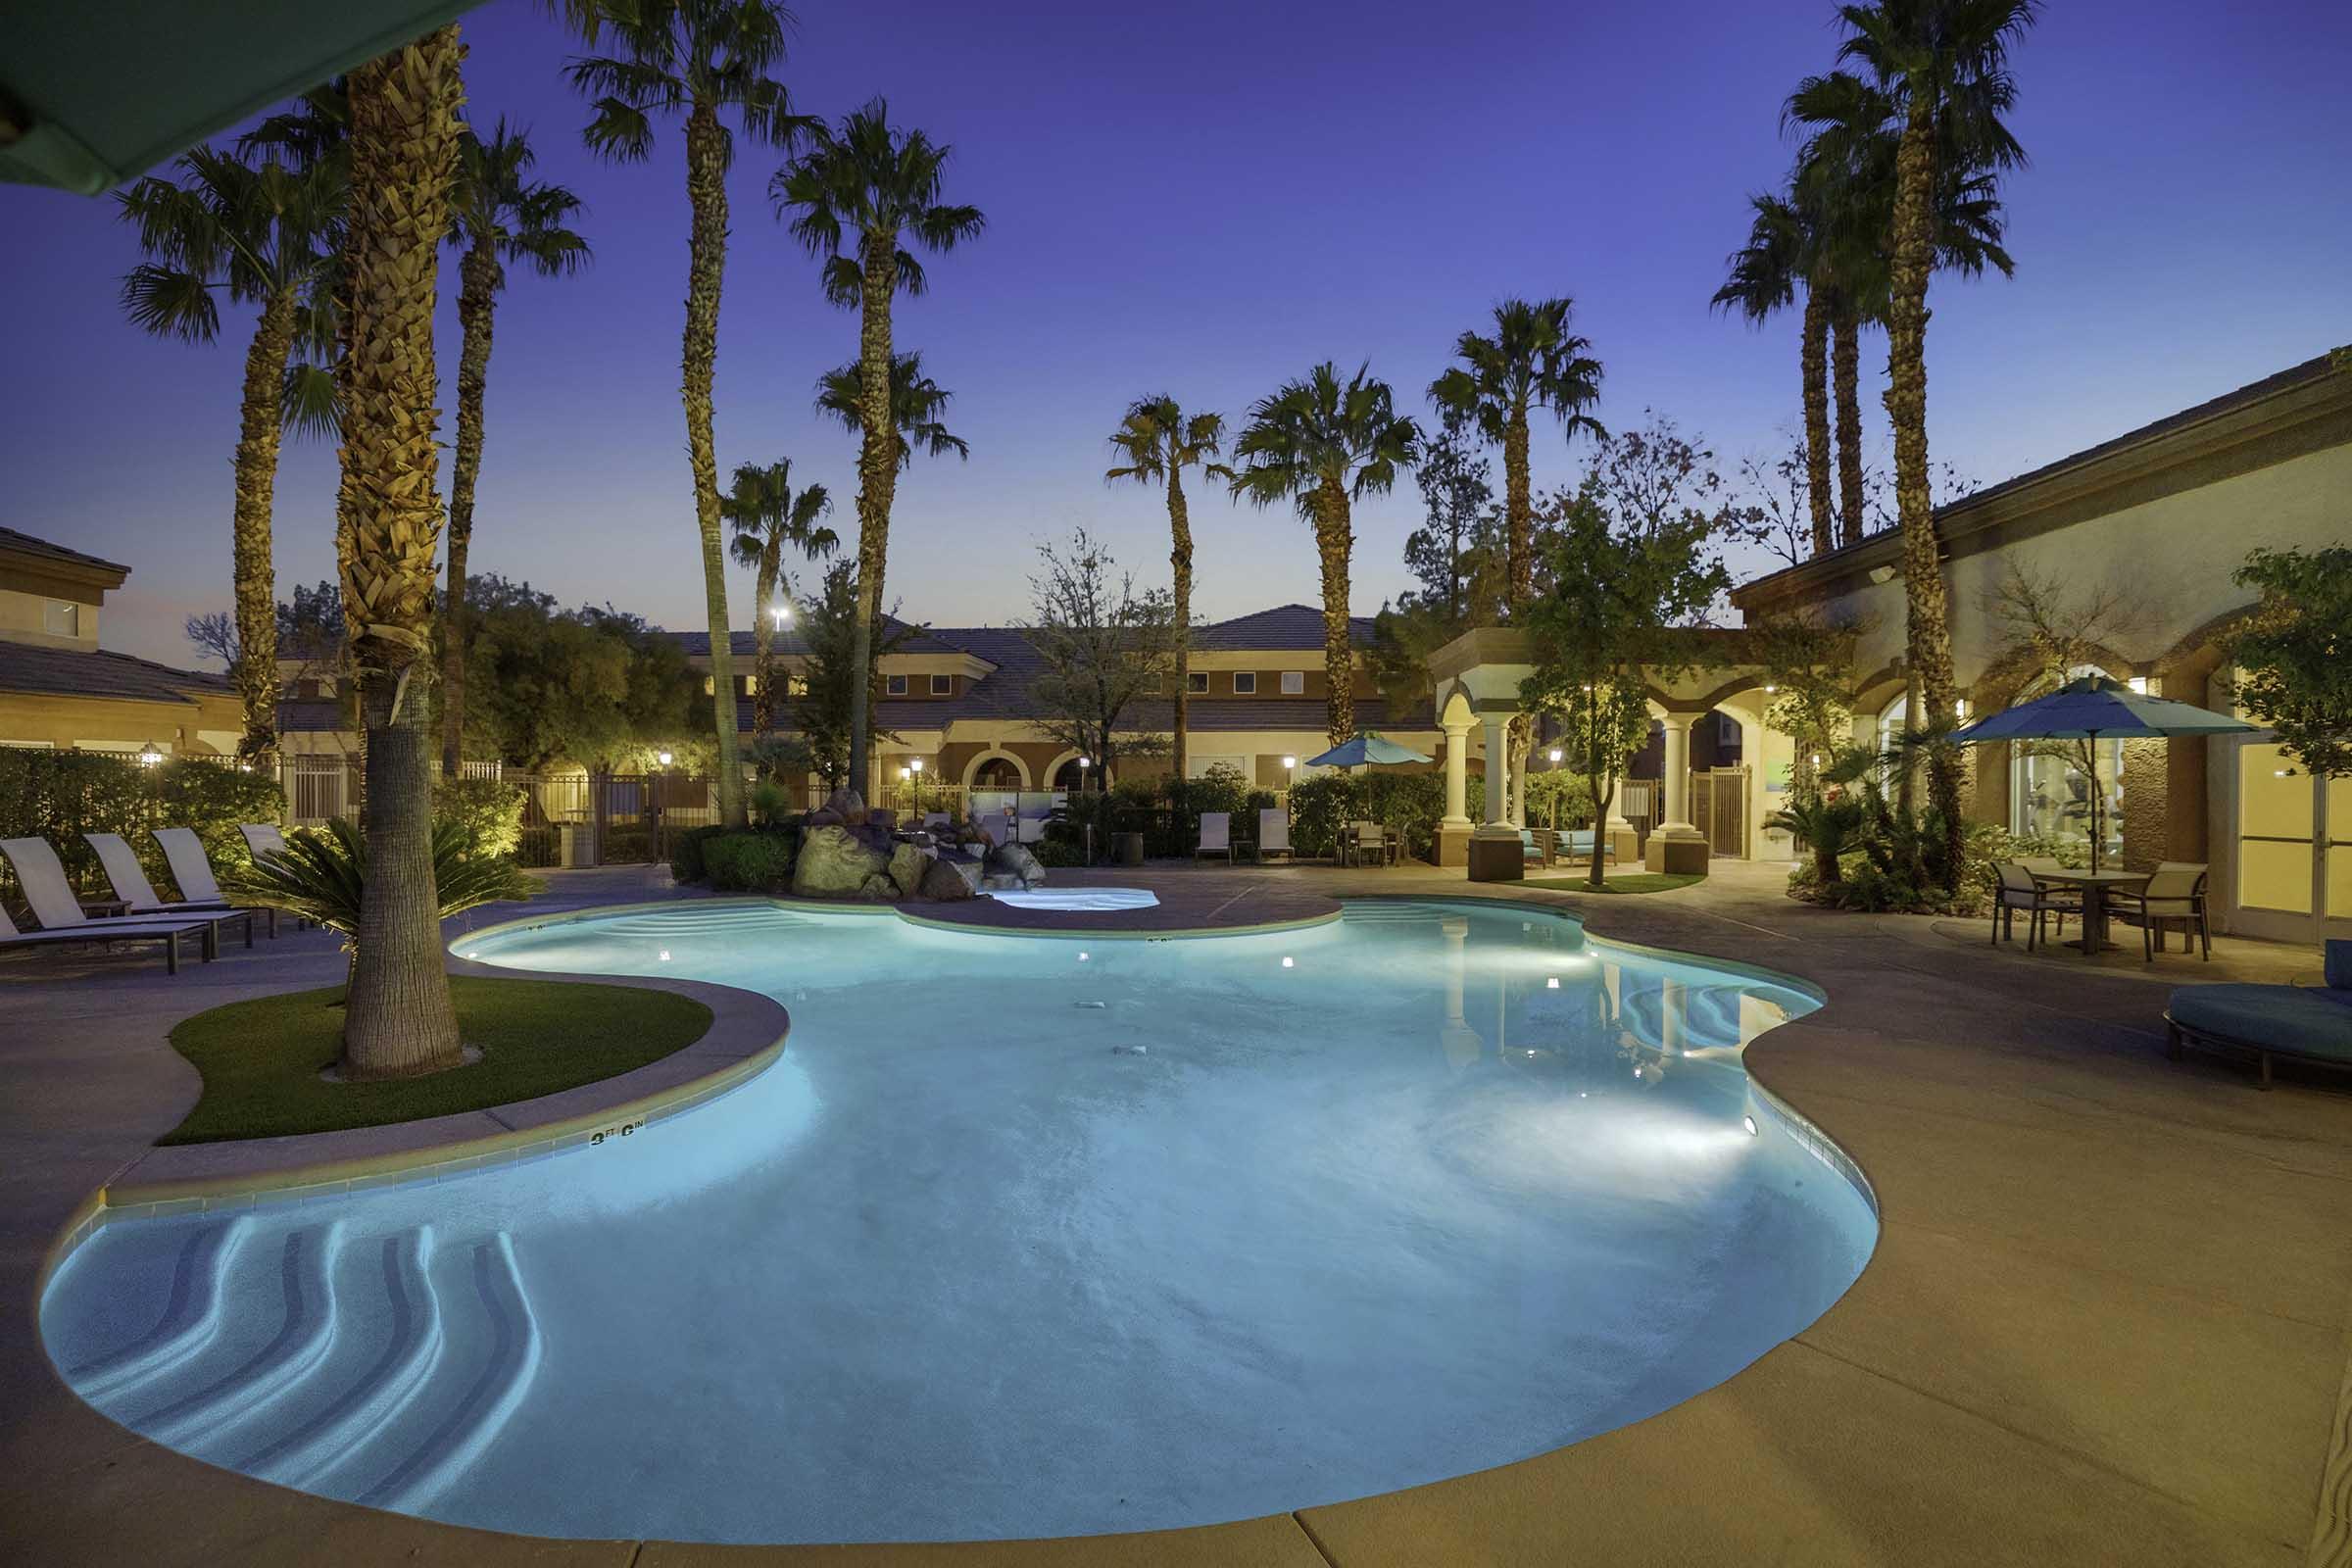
1748 1122
2279 772
1289 962
664 955
1581 1095
906 773
663 758
150 754
1816 758
1082 957
1554 755
783 614
1531 1052
916 764
1769 690
1553 983
2139 684
1288 762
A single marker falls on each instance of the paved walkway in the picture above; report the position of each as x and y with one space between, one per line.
2109 1319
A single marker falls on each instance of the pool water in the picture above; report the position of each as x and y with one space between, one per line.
1024 1235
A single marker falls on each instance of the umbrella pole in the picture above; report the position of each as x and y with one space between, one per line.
2098 799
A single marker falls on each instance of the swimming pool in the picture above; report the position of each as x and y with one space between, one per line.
1024 1237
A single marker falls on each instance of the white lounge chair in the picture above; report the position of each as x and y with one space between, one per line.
166 932
1274 832
262 838
138 895
55 904
1216 836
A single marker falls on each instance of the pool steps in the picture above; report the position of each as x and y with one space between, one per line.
392 1365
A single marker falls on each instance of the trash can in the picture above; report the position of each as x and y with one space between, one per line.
1127 849
575 845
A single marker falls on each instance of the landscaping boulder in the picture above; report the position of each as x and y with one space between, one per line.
835 863
907 863
880 886
945 881
1014 860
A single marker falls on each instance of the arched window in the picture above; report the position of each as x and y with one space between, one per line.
2053 784
1072 775
1890 723
997 773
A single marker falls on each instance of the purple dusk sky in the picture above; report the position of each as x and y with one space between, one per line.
1208 203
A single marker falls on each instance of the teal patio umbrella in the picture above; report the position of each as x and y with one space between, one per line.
2093 708
1364 749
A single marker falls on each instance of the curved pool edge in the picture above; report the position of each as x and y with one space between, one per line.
747 1034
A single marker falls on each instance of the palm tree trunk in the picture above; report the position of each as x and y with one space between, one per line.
1334 541
705 269
398 1021
1845 372
1180 558
1929 633
877 470
1519 512
1815 364
478 298
764 645
260 428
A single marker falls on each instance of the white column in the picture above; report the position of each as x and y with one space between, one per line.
1678 776
1457 776
1499 772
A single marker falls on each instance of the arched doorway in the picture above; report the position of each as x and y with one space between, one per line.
1073 773
998 771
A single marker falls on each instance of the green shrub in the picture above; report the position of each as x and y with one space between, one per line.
487 812
324 873
686 862
1052 850
60 796
749 862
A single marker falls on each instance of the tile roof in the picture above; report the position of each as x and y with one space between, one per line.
1285 627
27 544
83 672
697 644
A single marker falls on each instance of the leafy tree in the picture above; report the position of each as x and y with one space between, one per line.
2297 652
499 215
859 197
264 234
592 686
398 1022
1943 65
768 514
1456 554
1324 444
1103 646
826 710
1159 441
1807 659
704 59
1628 566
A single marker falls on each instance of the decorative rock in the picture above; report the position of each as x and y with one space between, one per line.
845 806
1017 861
880 886
906 864
943 881
834 863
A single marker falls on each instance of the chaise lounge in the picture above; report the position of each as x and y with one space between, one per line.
2304 1023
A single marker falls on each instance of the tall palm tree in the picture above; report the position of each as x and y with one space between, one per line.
1944 67
264 234
768 514
859 197
1532 360
498 214
1159 441
703 58
398 1022
1324 444
1782 254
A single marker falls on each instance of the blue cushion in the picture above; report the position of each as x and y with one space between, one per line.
2289 1019
2339 962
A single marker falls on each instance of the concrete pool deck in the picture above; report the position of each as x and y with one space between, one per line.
2109 1319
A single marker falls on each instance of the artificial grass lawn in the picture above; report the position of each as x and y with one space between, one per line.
261 1059
1634 882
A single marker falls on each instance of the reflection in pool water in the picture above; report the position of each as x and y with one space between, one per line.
1079 898
1024 1237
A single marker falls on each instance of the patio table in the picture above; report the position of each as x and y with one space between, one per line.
2094 886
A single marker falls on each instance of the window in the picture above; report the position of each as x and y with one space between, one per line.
61 619
943 685
1293 682
1245 683
894 685
2055 787
709 686
796 685
1195 681
751 685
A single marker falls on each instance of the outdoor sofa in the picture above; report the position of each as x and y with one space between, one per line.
2305 1023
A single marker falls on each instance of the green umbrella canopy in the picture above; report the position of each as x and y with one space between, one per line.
97 92
1363 748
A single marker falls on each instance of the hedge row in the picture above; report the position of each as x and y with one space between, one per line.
60 796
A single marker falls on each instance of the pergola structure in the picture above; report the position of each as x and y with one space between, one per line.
1477 678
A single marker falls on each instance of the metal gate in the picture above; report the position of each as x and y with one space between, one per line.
1719 809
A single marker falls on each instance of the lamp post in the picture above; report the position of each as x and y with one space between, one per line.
1554 755
661 824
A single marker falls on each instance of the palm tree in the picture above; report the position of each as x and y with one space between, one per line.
1533 361
857 197
768 514
1324 444
263 233
398 1022
700 58
1944 68
1159 441
499 215
1783 251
